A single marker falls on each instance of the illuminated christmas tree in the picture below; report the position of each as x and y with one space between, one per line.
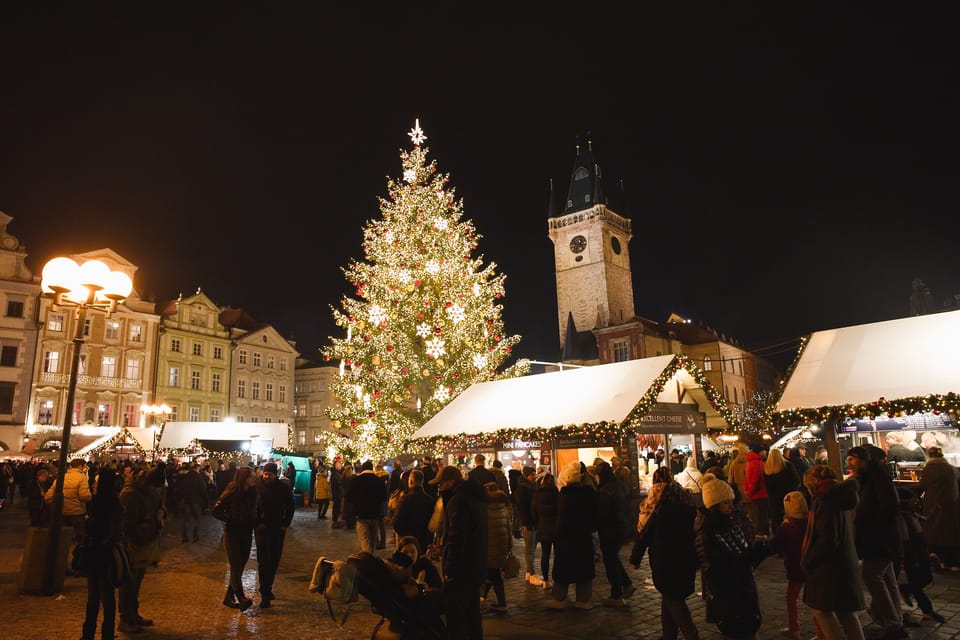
425 323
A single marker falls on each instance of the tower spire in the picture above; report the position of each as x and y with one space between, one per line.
585 189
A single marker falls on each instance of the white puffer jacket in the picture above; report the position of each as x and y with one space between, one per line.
76 492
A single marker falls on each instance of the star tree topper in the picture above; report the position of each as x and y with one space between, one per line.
416 134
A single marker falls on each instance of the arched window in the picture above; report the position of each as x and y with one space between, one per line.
707 363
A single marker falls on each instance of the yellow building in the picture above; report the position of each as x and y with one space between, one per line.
193 360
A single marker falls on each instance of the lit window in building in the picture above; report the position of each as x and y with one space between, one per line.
707 363
55 322
194 414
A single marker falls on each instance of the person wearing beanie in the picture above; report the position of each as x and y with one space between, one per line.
143 515
574 562
727 558
715 491
787 541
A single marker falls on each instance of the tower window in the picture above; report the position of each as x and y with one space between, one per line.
707 363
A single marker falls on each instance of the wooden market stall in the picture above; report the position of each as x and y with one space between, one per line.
893 384
552 418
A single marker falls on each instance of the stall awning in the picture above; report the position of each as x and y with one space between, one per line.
179 435
902 358
608 393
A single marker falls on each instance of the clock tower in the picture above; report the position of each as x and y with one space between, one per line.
591 254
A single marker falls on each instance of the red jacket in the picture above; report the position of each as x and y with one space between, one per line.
754 484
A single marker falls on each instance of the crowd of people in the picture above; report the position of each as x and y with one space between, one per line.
452 533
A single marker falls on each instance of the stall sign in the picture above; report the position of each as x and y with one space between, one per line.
677 421
519 444
916 422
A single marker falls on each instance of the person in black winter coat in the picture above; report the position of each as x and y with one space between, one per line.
464 552
240 511
412 517
576 521
829 556
727 558
877 536
36 489
104 529
665 533
543 513
780 478
523 502
514 476
192 492
613 529
336 493
276 502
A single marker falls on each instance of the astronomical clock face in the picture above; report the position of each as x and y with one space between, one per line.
578 244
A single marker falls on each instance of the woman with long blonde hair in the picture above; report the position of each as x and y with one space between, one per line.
780 478
239 509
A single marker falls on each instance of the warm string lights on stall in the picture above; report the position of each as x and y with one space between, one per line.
605 430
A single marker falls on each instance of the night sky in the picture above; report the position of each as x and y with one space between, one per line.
786 171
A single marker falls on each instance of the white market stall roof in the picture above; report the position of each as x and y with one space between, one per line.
141 438
908 362
179 435
611 393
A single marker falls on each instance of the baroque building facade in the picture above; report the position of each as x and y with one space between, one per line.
116 365
193 362
19 293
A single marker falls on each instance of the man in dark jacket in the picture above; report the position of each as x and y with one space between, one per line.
336 492
413 513
192 492
613 529
276 498
225 475
464 553
366 493
877 537
528 528
143 515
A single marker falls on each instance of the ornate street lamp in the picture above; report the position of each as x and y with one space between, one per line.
155 410
92 286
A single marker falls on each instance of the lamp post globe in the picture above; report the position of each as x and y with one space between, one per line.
84 288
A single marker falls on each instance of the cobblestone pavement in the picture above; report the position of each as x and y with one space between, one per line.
183 593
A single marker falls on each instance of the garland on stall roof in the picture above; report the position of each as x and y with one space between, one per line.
936 404
595 431
121 435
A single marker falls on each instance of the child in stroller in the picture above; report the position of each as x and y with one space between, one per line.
404 590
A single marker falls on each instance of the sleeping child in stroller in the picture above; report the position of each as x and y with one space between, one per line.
406 590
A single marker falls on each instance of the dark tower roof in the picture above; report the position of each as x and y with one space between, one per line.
578 345
585 182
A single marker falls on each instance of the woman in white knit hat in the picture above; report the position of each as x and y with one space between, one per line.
727 558
574 564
